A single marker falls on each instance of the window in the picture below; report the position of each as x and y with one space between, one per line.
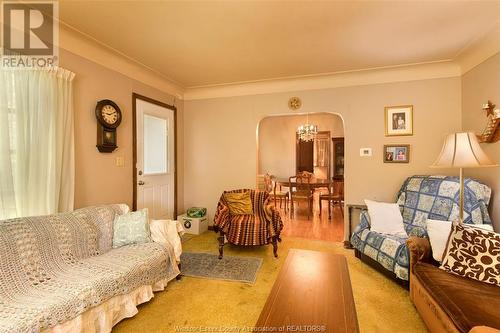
155 145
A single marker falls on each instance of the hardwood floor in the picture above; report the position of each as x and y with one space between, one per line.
317 227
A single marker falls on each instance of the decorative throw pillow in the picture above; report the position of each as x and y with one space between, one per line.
385 218
439 231
473 253
239 203
131 228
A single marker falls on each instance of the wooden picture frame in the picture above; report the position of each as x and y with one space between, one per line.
396 153
398 120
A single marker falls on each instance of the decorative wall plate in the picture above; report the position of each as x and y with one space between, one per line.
294 103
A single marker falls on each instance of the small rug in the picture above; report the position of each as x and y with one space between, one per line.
209 266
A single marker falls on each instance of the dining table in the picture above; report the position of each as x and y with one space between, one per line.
314 183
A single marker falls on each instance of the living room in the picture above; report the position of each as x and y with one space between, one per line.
221 70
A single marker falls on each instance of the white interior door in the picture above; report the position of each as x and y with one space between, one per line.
155 159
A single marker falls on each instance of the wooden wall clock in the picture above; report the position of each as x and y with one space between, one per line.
109 117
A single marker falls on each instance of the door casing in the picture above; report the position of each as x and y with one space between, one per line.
135 97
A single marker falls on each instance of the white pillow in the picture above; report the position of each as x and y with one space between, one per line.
385 218
439 231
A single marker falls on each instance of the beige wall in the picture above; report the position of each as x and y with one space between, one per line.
478 86
277 140
217 146
220 138
98 179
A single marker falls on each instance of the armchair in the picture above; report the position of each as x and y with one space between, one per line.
261 228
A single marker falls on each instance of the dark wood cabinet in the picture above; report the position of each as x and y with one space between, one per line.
314 156
304 155
338 158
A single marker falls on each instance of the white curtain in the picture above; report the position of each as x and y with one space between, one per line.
36 142
321 153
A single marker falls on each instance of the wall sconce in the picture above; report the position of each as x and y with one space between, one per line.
491 132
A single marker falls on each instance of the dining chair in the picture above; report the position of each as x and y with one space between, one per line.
261 182
274 193
334 196
302 190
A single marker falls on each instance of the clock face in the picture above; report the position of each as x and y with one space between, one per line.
109 114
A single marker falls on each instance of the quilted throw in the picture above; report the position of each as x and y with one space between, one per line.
437 198
256 229
420 198
56 267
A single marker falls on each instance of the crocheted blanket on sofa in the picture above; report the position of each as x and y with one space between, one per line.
53 268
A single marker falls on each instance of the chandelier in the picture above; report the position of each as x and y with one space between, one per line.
307 132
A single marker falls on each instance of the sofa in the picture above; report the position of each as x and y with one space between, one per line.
420 197
448 302
60 272
260 228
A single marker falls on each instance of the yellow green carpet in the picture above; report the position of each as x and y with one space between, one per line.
381 304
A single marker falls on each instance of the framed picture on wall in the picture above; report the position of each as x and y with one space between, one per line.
396 153
399 120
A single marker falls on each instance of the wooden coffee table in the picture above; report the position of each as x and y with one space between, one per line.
311 294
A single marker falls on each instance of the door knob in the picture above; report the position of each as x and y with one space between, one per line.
140 182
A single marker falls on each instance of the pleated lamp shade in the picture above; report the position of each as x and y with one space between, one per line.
462 150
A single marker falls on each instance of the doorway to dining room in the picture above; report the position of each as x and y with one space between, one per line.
311 207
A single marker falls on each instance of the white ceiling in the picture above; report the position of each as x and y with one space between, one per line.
209 43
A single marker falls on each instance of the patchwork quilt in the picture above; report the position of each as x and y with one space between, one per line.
420 198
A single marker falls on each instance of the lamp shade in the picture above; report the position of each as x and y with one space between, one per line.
462 150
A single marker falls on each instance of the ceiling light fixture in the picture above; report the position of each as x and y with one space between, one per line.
307 132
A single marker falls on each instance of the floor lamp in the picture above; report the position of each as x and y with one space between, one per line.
462 150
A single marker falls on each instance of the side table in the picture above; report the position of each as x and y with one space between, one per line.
350 208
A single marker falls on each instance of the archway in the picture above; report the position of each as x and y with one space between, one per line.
278 151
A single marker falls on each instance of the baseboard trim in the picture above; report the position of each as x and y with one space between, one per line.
348 245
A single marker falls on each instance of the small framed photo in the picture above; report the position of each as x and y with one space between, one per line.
399 120
396 153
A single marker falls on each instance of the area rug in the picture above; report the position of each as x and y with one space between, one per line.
209 266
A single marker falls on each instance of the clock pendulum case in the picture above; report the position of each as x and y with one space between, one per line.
109 117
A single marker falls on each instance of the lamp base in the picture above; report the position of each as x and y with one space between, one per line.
461 198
